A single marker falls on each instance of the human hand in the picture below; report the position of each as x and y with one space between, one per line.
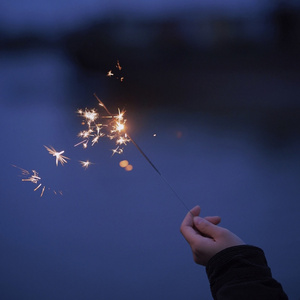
205 237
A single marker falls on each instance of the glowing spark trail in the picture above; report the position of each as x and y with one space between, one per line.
35 179
59 157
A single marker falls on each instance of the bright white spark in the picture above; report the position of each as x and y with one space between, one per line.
91 115
111 126
59 157
34 178
85 164
110 73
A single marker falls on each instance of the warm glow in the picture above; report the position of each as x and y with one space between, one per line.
123 163
111 126
129 168
120 126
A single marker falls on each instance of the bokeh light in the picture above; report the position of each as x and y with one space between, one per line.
123 163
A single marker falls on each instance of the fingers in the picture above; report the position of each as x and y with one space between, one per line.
195 211
188 220
186 227
205 227
215 219
192 221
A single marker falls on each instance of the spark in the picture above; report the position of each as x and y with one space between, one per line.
118 71
118 150
90 115
95 140
85 164
59 157
122 140
101 123
120 126
38 187
110 73
82 142
36 179
118 66
42 193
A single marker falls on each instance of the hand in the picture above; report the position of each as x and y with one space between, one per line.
205 237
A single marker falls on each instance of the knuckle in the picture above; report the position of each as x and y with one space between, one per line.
223 232
204 224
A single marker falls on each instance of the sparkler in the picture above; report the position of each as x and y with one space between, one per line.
117 131
98 126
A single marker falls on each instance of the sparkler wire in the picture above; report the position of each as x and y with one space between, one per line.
158 172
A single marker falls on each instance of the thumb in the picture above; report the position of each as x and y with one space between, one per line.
205 227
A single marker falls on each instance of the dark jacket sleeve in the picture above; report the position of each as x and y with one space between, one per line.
242 272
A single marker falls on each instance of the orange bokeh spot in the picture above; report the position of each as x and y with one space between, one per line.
129 168
123 163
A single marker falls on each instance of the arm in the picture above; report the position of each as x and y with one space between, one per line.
235 270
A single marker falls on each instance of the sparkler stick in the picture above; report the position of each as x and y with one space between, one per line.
158 172
147 158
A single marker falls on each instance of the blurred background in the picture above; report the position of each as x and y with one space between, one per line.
211 90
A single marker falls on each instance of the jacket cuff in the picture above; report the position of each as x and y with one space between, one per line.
230 264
